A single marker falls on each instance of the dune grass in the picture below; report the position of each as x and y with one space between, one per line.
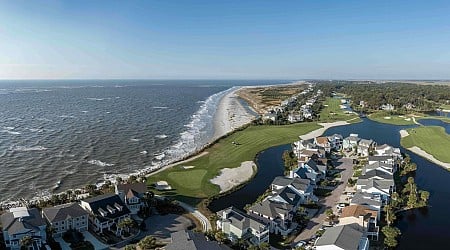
332 112
195 183
432 139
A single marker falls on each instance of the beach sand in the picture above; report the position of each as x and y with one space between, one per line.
231 177
230 115
403 133
320 131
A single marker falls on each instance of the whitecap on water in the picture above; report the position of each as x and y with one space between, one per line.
161 136
100 163
26 149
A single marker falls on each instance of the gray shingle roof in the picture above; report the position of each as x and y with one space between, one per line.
346 237
139 188
362 198
241 220
188 240
376 173
62 212
101 202
270 208
281 181
27 223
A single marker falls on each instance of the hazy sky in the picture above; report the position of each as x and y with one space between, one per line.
225 39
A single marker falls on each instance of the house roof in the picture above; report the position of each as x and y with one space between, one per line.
365 142
270 208
336 136
301 184
378 184
240 219
62 212
304 174
376 173
383 147
105 201
357 211
379 157
189 240
363 198
282 181
352 138
137 188
322 140
288 195
346 237
14 223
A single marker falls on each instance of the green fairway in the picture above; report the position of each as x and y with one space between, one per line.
332 112
434 140
385 117
195 182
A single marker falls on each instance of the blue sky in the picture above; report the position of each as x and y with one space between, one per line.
225 39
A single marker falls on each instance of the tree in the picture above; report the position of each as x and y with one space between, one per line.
90 188
25 242
220 236
424 196
390 233
126 224
264 246
132 179
147 243
390 215
130 247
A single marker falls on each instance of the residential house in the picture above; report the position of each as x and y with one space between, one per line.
189 240
312 167
379 188
346 237
379 174
132 195
66 217
368 200
106 212
307 154
350 142
239 225
295 117
278 215
363 216
336 142
269 116
22 222
386 150
381 158
323 142
380 166
365 147
387 107
302 187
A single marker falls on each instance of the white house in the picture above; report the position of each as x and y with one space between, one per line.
21 222
132 195
106 211
239 225
365 147
66 217
349 143
277 215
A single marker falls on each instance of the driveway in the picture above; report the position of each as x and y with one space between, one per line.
97 244
161 226
345 165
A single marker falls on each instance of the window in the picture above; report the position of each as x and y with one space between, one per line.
62 222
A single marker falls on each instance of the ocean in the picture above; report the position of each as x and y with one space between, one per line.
77 132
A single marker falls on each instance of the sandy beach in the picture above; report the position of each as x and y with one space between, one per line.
230 115
320 131
231 177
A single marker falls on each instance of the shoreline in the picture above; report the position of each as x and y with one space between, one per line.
422 153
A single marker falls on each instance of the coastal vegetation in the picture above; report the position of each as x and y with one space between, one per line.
195 182
432 139
331 111
392 118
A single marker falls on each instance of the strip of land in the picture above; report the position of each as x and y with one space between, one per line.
430 142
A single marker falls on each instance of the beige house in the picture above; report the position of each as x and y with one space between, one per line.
363 216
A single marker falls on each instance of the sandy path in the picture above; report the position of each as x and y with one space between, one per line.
231 177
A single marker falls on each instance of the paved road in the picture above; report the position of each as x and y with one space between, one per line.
346 164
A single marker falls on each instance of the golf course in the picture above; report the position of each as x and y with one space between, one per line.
432 139
229 152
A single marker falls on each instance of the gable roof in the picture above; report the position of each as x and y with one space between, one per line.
62 212
379 157
362 198
240 219
139 188
365 142
378 184
288 195
357 211
301 184
374 173
270 208
281 181
346 237
103 203
30 221
189 240
322 140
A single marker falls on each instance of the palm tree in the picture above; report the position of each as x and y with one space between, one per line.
25 242
126 224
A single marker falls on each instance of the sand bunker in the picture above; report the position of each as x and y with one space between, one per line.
231 177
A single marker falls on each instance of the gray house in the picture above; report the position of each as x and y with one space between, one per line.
65 217
347 237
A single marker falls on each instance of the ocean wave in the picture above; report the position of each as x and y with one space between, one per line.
144 152
159 107
95 99
161 136
198 131
100 163
66 116
134 140
27 149
9 131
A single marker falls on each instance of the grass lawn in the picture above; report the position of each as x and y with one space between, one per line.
445 106
332 112
385 117
195 182
432 139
